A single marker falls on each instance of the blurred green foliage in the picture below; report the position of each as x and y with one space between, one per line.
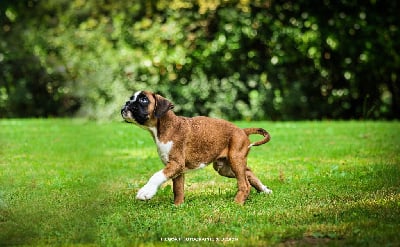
275 60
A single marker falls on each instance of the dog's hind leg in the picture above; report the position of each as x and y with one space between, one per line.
223 168
237 160
238 167
256 183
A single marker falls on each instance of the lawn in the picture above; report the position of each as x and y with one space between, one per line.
73 182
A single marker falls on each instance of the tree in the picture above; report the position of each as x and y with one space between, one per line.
279 60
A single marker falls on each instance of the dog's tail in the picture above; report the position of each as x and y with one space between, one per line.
258 131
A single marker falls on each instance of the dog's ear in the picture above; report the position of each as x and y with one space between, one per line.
162 106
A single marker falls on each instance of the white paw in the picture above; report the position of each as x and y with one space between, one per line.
147 192
266 190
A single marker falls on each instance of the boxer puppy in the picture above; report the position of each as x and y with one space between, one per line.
186 144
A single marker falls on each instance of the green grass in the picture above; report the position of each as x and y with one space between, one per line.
73 182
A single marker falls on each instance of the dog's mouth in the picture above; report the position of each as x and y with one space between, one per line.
127 115
130 117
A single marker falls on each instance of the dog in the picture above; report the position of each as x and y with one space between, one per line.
186 144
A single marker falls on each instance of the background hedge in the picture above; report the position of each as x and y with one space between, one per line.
273 60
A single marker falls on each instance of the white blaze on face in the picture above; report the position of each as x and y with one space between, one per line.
135 95
162 148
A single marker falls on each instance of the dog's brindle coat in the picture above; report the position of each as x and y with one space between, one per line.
185 144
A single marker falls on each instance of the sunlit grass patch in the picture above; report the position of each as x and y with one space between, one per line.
70 182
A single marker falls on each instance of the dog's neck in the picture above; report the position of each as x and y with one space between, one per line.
167 121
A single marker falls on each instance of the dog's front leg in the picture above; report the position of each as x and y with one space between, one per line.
179 187
171 170
150 189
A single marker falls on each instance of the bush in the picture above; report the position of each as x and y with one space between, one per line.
237 60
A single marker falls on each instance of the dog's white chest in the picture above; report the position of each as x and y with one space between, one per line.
163 149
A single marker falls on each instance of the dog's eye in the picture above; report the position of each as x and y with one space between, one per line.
144 101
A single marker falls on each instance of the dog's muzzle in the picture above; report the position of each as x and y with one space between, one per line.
127 112
133 112
124 110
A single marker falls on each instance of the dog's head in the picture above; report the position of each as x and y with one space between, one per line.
143 107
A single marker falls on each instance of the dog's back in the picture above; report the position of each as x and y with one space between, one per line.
209 139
